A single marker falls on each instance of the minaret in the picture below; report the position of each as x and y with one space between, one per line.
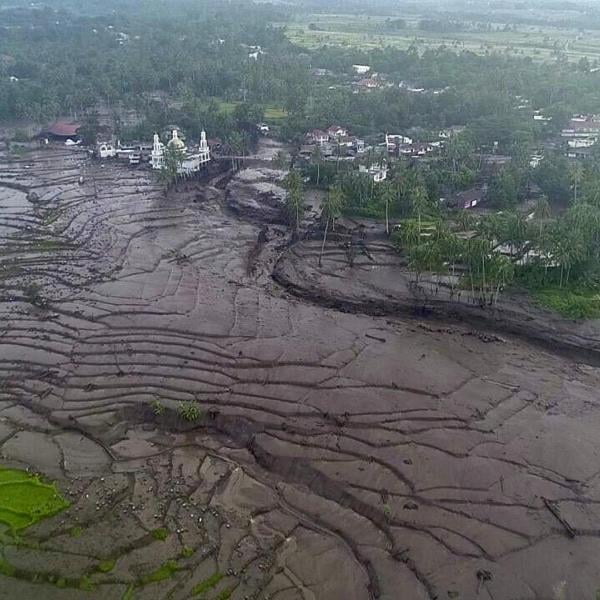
204 150
157 153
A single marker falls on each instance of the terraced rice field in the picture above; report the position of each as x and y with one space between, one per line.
217 437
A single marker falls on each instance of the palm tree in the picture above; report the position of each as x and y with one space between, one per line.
501 270
410 235
388 195
466 220
576 177
330 210
419 203
294 202
317 156
542 212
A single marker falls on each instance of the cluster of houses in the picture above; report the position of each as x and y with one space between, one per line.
580 134
336 143
333 141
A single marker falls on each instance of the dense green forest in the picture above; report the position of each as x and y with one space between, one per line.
170 64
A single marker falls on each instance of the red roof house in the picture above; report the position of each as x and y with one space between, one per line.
63 128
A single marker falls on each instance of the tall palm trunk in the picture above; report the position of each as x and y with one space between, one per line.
323 244
387 217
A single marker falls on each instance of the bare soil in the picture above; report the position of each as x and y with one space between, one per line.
338 454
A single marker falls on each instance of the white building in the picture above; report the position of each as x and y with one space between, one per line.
158 149
361 69
192 161
535 160
377 173
394 141
106 150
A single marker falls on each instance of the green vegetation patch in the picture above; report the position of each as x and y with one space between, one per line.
189 411
25 499
275 113
571 303
208 584
225 594
161 534
128 595
106 566
163 572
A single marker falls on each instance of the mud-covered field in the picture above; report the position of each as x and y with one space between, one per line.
219 436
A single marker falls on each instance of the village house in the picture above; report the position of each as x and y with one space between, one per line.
335 132
321 72
393 141
62 130
361 69
412 88
450 132
538 115
469 198
535 160
368 84
377 173
416 149
318 136
106 150
263 128
582 126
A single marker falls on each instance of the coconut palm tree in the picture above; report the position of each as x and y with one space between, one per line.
576 177
388 195
330 210
419 203
542 213
317 157
294 202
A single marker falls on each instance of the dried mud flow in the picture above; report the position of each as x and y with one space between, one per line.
338 456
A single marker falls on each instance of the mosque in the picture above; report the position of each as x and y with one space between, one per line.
192 161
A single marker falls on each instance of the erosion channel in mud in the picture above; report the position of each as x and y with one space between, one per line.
220 433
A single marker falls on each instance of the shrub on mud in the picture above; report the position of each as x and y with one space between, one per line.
189 411
158 408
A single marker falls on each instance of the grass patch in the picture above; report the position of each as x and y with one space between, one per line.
7 569
225 594
158 408
25 499
187 552
106 566
189 411
161 534
571 303
275 113
75 532
163 572
128 595
86 584
207 584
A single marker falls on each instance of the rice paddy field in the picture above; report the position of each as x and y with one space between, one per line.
363 31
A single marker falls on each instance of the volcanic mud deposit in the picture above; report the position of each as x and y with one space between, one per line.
217 437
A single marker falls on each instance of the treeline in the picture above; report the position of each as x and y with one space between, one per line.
66 63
